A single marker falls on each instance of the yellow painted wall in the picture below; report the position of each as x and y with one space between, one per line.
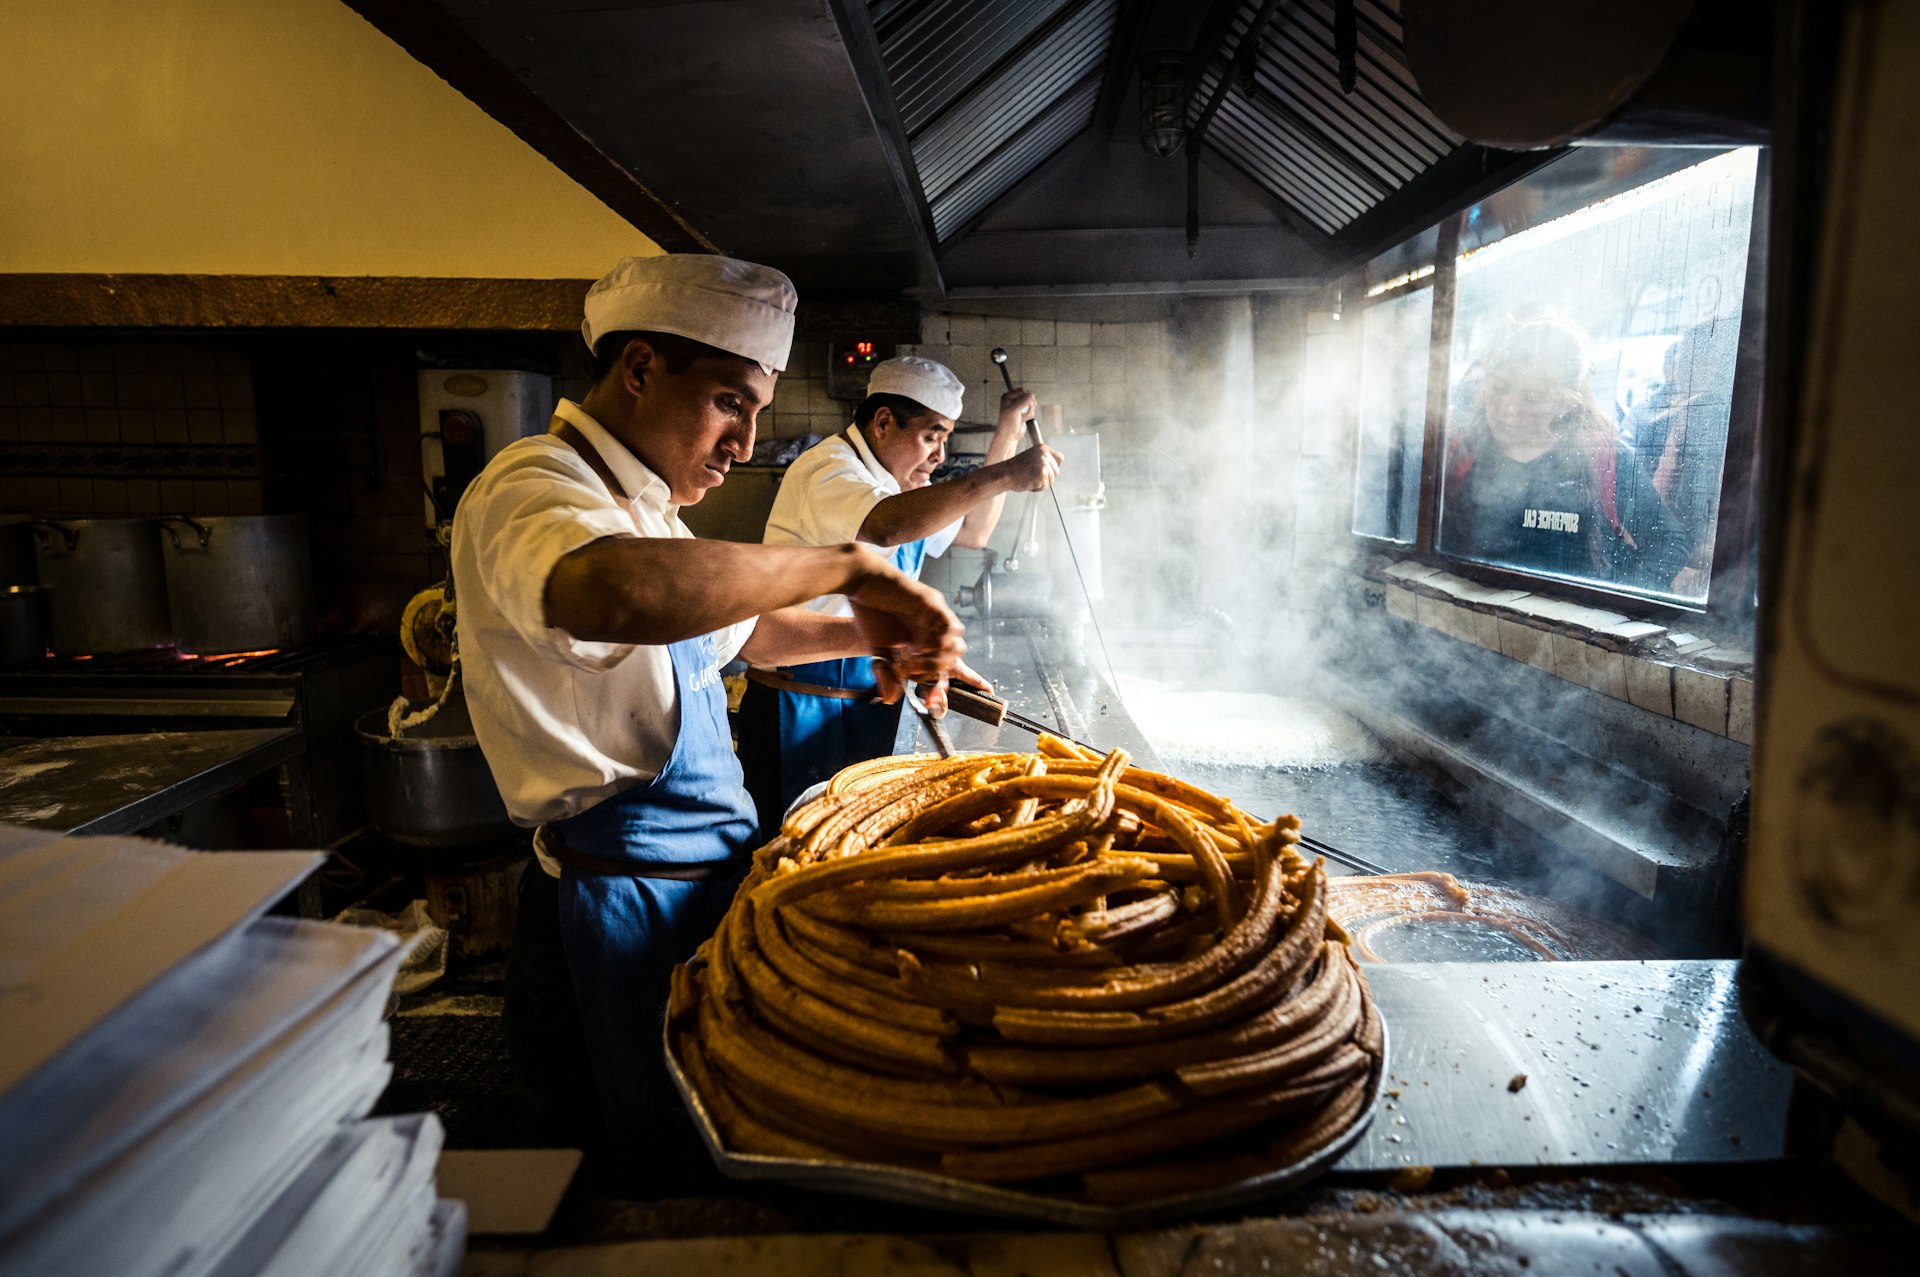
265 137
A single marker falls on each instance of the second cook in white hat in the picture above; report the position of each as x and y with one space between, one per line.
592 625
873 483
931 385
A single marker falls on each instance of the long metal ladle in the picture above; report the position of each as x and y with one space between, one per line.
999 357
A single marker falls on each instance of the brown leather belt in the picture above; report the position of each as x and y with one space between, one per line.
582 862
781 683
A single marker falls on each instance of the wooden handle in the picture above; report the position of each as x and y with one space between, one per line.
978 706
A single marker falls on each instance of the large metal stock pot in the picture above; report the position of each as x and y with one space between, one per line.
238 583
106 589
16 551
431 786
23 624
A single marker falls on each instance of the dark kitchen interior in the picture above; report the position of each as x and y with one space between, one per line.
1623 837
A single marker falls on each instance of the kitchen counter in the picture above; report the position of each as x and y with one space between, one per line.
1626 1063
1570 1064
122 784
1448 1242
1632 1069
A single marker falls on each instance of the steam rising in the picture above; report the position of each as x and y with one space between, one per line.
1234 611
1245 729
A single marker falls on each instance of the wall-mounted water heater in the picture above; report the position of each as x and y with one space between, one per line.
467 415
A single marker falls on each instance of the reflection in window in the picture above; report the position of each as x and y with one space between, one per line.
1394 349
1592 375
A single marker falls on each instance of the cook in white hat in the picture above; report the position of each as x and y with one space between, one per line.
873 484
592 625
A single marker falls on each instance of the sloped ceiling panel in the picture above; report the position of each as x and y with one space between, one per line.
745 119
1023 153
1328 155
989 89
936 51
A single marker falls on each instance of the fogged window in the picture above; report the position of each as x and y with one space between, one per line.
1592 373
1394 350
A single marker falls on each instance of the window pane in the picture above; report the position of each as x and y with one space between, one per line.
1394 350
1593 364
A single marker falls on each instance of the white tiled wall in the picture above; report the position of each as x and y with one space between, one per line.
800 404
1106 377
1103 376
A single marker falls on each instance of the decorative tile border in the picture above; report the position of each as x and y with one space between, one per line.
127 461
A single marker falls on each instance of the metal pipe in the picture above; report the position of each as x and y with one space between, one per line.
1193 192
999 356
1346 43
1197 132
1027 542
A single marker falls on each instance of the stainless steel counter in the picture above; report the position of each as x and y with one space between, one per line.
1624 1062
122 784
1433 1243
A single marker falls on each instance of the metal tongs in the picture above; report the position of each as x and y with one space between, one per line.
941 742
982 707
999 357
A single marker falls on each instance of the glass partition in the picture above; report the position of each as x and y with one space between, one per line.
1591 375
1394 354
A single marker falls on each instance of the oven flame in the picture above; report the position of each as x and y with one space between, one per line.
236 658
225 659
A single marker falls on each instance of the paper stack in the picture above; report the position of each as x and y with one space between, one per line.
184 1083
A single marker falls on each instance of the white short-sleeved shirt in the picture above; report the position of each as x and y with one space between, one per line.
825 497
563 722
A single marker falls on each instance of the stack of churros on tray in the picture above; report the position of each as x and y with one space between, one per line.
1048 970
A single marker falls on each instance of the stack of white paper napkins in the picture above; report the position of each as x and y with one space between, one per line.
184 1082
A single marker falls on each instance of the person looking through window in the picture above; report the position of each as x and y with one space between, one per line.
1680 436
1537 478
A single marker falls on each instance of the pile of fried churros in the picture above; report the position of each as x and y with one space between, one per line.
1051 969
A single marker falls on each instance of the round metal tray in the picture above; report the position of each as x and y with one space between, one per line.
921 1188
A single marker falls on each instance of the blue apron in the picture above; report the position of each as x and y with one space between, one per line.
819 734
624 934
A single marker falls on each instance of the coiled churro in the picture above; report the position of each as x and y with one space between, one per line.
1029 968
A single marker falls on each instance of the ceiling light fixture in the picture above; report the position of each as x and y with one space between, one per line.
1163 103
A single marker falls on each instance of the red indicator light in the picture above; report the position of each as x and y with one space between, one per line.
458 427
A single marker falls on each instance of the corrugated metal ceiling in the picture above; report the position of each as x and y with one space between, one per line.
987 90
1021 155
1326 154
936 51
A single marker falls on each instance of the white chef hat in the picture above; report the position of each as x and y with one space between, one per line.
733 305
930 384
